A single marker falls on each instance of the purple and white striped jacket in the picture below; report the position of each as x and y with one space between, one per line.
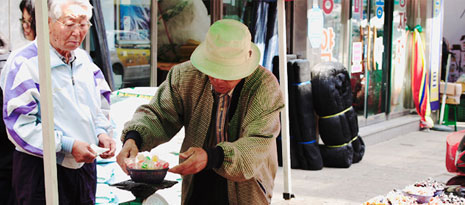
77 102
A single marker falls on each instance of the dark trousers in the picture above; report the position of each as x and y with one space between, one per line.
6 194
6 161
209 188
75 186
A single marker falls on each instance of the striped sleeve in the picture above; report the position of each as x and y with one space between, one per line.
103 114
21 109
103 87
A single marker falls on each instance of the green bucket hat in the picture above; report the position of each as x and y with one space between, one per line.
227 52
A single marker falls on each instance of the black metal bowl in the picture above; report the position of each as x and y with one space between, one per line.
148 176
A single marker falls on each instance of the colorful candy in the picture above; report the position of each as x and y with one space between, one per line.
144 161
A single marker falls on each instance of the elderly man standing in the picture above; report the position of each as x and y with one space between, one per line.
229 107
78 117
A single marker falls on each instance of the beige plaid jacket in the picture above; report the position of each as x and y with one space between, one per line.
185 99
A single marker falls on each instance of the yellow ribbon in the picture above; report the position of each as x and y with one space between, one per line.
330 116
342 145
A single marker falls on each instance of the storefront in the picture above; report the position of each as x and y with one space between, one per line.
378 52
369 51
180 26
368 36
400 74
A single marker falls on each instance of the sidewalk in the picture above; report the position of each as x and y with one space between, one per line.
396 155
390 162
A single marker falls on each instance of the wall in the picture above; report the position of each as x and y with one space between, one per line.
10 26
4 21
454 20
453 31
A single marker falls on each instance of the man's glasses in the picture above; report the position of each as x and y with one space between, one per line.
69 25
25 22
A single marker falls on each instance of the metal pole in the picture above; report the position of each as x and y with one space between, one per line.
46 103
285 112
444 94
154 44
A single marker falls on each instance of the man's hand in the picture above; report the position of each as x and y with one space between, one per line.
129 150
106 141
82 152
196 161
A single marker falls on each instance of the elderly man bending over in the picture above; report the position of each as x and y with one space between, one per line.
78 117
229 107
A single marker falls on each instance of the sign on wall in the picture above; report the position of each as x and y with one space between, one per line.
328 6
357 57
379 8
378 53
315 26
328 44
435 53
402 15
134 23
358 9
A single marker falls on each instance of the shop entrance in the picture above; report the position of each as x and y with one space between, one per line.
368 64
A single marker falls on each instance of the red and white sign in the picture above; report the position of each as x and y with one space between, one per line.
358 8
402 3
328 6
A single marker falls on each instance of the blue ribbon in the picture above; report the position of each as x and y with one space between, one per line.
301 83
308 142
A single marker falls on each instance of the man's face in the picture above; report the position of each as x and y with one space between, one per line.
68 32
223 86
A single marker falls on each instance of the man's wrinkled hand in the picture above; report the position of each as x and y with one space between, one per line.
82 152
196 161
129 150
106 141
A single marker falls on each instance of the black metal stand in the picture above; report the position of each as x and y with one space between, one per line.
288 196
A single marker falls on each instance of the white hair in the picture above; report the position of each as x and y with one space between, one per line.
55 6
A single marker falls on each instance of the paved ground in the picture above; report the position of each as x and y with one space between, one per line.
394 163
391 160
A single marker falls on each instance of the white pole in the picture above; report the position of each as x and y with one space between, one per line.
46 103
444 94
285 112
154 44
